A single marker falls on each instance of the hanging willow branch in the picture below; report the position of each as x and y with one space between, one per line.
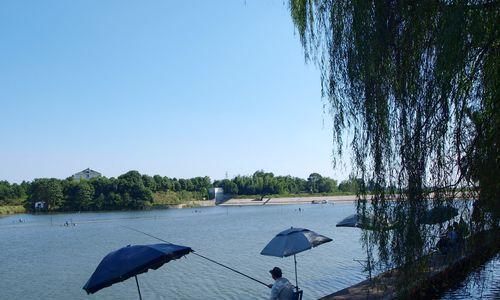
416 83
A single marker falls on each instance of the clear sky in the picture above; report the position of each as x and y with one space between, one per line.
176 88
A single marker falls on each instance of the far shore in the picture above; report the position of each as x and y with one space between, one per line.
13 210
230 202
288 200
299 200
187 204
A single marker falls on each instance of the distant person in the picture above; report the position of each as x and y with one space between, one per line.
457 231
463 228
443 244
282 289
447 241
452 234
462 231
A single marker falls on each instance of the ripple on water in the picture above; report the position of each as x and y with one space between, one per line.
483 283
58 260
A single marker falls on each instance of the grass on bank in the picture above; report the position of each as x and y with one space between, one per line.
174 198
12 209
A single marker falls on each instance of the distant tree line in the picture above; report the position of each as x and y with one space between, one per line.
133 190
12 194
128 191
262 183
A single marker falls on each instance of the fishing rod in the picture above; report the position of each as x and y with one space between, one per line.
199 255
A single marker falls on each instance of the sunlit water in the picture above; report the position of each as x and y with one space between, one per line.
483 283
41 259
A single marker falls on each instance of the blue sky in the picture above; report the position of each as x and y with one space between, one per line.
176 88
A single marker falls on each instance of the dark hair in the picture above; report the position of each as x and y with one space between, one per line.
276 272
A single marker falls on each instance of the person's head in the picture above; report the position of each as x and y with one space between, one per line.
276 273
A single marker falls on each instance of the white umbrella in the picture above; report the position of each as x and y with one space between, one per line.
292 241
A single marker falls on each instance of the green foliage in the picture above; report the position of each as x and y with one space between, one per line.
79 196
262 183
45 190
174 198
149 182
412 86
11 209
12 194
319 184
129 191
133 190
350 185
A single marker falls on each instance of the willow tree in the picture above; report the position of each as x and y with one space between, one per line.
412 88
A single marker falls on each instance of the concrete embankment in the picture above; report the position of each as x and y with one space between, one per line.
295 200
288 200
443 272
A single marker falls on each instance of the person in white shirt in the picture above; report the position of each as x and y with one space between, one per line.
282 289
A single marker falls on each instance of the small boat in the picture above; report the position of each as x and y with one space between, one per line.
319 202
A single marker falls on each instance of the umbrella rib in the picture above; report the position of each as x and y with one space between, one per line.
204 257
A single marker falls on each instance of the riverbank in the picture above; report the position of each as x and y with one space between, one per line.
288 200
187 204
444 271
302 199
12 209
166 201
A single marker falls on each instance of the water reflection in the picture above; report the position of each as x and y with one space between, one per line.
483 283
61 259
420 237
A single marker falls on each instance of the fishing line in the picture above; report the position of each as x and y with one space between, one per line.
199 255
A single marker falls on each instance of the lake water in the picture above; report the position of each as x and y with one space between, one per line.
41 259
482 283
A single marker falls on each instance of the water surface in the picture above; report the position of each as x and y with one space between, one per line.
45 261
42 259
482 283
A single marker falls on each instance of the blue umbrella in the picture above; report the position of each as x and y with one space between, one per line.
356 220
292 241
439 214
350 221
130 261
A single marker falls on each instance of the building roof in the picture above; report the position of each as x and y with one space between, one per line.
88 171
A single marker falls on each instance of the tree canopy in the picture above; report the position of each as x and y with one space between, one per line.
133 190
412 86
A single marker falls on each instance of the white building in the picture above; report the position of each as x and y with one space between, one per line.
39 205
86 174
217 193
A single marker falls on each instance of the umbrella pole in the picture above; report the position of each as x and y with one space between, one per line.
138 289
296 281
